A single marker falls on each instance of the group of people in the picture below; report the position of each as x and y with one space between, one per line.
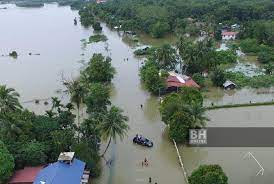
150 180
145 161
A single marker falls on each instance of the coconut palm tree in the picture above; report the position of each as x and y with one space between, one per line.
166 57
114 125
184 47
198 114
77 92
9 129
9 99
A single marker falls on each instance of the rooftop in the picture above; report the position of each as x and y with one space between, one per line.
229 33
66 156
178 80
61 173
26 175
228 83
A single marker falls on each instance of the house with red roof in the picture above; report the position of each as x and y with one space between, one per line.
175 80
25 176
229 35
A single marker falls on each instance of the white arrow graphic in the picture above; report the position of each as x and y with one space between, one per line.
261 171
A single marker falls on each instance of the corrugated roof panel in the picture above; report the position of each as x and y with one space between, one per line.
59 173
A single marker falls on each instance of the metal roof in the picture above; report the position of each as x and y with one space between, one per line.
66 156
177 80
228 83
26 175
61 173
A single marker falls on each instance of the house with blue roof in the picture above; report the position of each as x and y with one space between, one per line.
67 170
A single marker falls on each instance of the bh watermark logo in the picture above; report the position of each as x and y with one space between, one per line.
197 136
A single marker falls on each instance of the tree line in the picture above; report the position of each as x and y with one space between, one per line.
28 139
159 17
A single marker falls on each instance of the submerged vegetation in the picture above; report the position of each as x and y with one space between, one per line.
97 38
13 54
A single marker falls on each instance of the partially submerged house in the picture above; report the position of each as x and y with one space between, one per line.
229 35
229 85
67 170
175 81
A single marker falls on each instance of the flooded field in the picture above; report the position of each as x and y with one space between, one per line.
49 32
239 169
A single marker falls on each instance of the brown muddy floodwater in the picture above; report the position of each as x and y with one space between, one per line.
49 31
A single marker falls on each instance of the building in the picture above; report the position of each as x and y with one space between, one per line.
235 26
229 85
229 35
67 170
174 81
25 176
100 1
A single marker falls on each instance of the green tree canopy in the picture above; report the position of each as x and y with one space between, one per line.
218 77
84 152
6 163
208 174
99 69
177 102
97 98
166 57
150 75
114 125
179 126
226 57
34 153
8 99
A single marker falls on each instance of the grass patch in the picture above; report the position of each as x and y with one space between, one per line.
239 105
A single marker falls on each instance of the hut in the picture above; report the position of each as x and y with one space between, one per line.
229 85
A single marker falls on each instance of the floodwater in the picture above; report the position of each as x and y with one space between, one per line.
239 169
49 31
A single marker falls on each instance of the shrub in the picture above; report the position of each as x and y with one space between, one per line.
97 38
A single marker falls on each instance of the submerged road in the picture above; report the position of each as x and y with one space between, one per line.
128 94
